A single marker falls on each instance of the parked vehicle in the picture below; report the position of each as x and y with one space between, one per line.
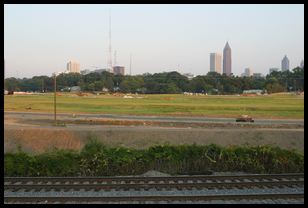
244 118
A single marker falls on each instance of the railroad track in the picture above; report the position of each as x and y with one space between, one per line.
154 198
65 184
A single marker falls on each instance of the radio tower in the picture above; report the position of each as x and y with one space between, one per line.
115 58
130 65
110 51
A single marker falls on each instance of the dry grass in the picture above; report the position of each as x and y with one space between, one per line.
42 139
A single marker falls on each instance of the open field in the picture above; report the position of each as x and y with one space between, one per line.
282 106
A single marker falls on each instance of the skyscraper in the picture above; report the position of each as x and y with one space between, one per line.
285 63
227 60
215 62
73 67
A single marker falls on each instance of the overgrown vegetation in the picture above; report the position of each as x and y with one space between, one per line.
96 159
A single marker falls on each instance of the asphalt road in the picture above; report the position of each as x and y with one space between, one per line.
34 115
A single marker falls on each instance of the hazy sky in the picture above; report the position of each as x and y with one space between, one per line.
41 39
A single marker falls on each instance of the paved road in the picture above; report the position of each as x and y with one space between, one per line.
34 115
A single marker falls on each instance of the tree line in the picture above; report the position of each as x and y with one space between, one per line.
160 83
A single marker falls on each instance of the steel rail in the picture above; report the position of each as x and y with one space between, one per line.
155 198
164 178
146 186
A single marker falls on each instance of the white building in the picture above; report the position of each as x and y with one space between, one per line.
257 75
57 73
84 72
73 67
247 72
285 63
189 75
215 62
273 69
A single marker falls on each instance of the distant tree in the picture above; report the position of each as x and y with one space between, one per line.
197 84
171 88
12 84
166 82
91 87
273 85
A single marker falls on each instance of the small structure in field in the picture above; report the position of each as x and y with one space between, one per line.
75 89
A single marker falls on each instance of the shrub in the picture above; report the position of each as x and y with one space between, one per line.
96 159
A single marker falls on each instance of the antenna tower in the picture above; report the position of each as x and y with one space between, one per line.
115 58
130 65
110 51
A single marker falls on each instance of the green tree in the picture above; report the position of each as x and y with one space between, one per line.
273 86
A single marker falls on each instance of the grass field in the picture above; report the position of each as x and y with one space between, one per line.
271 106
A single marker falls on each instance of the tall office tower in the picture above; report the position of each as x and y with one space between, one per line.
285 63
227 60
302 64
215 62
73 67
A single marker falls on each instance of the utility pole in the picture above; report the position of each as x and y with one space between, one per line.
55 99
130 65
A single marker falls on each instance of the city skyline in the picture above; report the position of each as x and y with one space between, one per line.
167 36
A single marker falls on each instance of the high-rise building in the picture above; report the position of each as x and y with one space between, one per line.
285 63
302 64
118 70
227 63
247 72
215 62
273 69
73 67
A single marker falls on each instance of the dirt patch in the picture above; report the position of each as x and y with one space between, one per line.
167 98
39 140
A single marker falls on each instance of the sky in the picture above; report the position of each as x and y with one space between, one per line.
41 39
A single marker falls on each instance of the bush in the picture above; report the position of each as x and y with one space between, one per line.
96 159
